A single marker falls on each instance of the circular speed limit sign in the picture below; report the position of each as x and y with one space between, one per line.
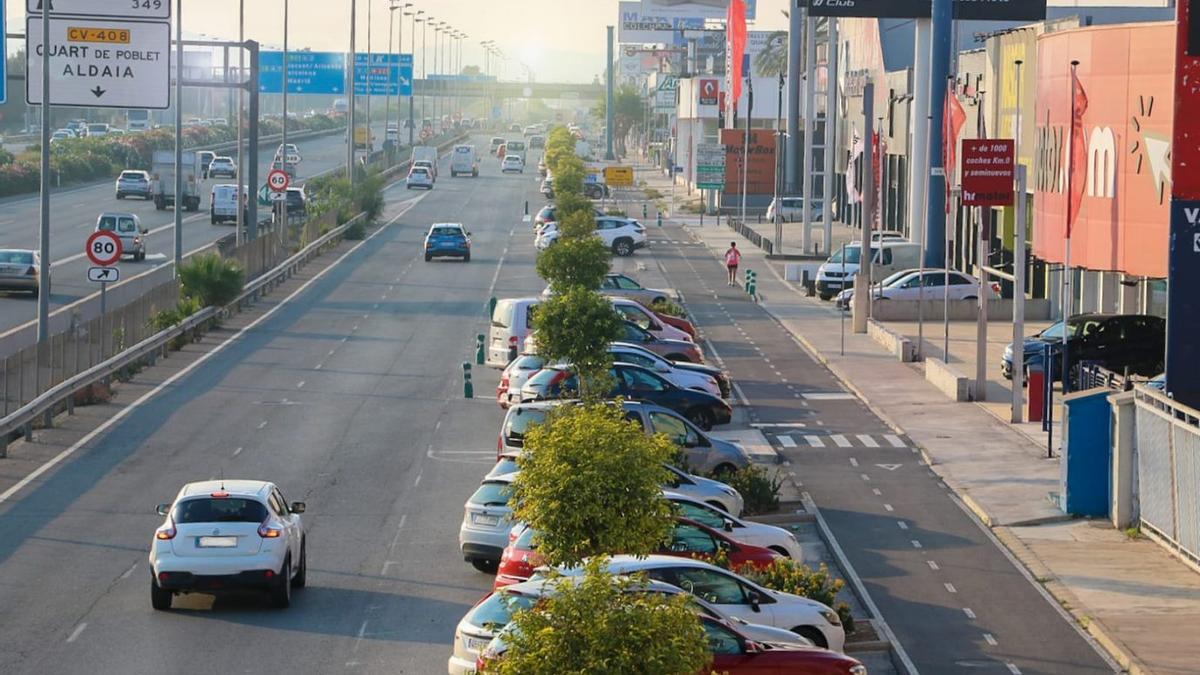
278 180
104 248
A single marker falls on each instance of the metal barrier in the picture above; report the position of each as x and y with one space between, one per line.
765 243
1167 455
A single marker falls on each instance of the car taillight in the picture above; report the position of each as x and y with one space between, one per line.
165 533
504 383
512 341
267 532
559 377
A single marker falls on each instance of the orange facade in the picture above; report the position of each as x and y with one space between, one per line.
1127 72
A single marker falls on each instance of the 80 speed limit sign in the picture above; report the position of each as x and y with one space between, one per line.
104 248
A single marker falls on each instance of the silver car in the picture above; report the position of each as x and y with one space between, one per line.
19 270
623 286
134 184
487 520
129 228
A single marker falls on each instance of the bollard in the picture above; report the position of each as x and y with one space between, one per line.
479 350
658 219
491 306
645 211
526 207
468 388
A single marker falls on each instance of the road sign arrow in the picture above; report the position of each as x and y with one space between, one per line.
889 467
98 91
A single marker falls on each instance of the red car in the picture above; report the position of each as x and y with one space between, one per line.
676 322
689 539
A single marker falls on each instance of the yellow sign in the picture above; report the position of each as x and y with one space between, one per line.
116 36
618 176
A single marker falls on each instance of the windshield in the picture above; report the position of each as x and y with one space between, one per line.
496 611
519 420
117 223
219 510
852 255
491 494
17 257
895 277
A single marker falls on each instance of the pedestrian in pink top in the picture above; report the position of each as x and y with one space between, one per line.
733 257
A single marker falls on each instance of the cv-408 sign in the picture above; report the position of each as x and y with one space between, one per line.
101 64
126 9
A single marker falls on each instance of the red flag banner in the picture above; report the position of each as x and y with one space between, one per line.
735 36
952 123
1078 159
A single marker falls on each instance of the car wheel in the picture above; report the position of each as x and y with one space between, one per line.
813 635
120 196
701 418
301 578
623 248
281 592
485 566
160 598
428 257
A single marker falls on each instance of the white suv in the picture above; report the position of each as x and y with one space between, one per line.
222 535
622 235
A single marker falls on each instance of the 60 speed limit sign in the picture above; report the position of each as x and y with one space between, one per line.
104 248
278 180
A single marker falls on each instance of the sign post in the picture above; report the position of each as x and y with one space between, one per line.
710 166
104 250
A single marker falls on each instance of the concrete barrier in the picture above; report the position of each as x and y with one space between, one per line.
901 347
960 310
948 380
794 271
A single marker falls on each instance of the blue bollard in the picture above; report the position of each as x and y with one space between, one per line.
468 387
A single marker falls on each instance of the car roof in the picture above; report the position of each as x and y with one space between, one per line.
116 214
238 487
656 560
458 225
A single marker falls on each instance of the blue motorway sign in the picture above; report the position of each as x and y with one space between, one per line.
325 73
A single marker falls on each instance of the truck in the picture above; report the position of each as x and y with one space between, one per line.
162 176
364 138
464 161
426 152
137 119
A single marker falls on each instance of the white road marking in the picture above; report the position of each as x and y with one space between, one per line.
129 571
889 467
840 440
902 525
417 481
318 366
331 351
878 492
932 565
916 544
950 588
787 442
868 441
1012 668
467 452
815 441
853 462
894 440
829 396
778 425
75 633
300 384
865 477
987 637
238 451
969 613
262 424
362 630
888 508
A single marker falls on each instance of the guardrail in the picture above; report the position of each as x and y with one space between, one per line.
1167 453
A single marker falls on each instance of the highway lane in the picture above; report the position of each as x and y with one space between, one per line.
350 398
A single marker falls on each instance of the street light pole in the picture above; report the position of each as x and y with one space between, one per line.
352 127
412 125
241 120
178 137
282 153
367 78
424 65
387 106
43 311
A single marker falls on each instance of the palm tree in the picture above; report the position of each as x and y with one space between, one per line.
773 59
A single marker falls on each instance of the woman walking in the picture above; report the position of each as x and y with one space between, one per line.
733 257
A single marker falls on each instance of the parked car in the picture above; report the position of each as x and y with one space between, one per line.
639 315
908 285
792 209
448 240
486 524
224 535
634 382
624 286
547 188
1112 341
737 596
513 377
419 176
888 257
622 235
512 164
546 215
222 167
133 183
701 452
512 323
129 228
674 350
20 270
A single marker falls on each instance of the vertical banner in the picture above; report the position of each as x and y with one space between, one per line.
1183 265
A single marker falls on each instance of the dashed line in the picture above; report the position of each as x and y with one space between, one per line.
865 477
418 480
787 442
987 637
318 366
878 492
888 508
902 525
916 544
262 424
238 451
331 351
932 565
362 630
1012 668
75 633
853 462
300 384
129 571
868 441
950 588
894 440
969 613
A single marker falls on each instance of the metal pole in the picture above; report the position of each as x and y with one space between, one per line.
43 311
283 150
387 106
367 76
746 142
981 318
413 95
918 224
424 63
862 281
946 288
796 23
241 120
810 105
918 173
942 48
1018 371
352 128
178 136
252 150
1067 286
845 309
832 122
778 168
609 117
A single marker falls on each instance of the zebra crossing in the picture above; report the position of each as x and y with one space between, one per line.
806 439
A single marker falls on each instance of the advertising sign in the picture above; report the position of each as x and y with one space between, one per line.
980 10
760 171
708 94
118 9
618 176
638 27
101 64
710 166
987 172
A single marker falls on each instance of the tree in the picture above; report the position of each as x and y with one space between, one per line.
568 203
569 177
629 110
574 262
600 624
471 70
578 224
773 59
591 484
577 326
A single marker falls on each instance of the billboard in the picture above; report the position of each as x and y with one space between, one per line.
638 27
760 171
705 9
987 172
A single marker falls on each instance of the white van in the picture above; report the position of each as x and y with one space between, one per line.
464 161
225 203
890 255
512 322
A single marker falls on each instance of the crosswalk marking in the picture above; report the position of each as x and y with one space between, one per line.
787 442
794 437
815 441
894 440
841 441
829 396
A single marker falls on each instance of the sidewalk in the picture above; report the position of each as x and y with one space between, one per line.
1136 600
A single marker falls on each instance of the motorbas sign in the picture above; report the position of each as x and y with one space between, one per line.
101 64
127 9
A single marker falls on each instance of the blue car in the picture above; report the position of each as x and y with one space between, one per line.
448 240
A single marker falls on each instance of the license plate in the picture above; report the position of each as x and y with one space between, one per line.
216 542
484 519
476 645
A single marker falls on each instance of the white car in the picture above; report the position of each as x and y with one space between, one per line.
514 376
487 520
224 535
419 176
756 534
907 285
512 163
736 596
622 235
494 612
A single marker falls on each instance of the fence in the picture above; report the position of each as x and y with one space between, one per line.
1167 457
765 243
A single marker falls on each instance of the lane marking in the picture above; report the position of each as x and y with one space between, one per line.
853 462
262 424
815 441
868 441
895 440
787 442
878 492
888 508
129 571
950 588
362 630
418 480
300 384
987 637
829 396
840 440
902 525
969 613
238 451
1012 668
865 477
932 565
778 425
75 633
916 544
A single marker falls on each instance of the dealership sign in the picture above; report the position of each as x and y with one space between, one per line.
981 10
987 172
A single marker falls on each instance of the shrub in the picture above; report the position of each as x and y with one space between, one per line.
669 307
577 225
758 486
211 280
575 263
356 231
789 576
576 326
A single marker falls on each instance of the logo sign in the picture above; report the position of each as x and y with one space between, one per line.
709 93
278 180
618 176
669 83
987 172
101 64
104 275
760 171
126 9
103 248
980 10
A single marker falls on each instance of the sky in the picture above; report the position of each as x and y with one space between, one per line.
560 40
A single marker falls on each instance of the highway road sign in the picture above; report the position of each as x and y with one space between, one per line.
278 180
308 73
103 248
618 176
104 275
389 74
122 9
101 64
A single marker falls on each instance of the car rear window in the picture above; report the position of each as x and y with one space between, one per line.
491 494
219 510
495 612
515 145
446 232
500 315
132 174
16 257
525 541
518 421
529 362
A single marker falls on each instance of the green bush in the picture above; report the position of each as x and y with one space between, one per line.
670 308
356 231
789 576
211 280
758 487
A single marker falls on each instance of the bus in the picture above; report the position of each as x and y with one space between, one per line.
137 120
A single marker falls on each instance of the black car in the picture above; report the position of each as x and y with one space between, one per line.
1112 341
639 384
537 142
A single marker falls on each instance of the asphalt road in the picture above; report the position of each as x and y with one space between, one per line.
350 398
955 601
73 217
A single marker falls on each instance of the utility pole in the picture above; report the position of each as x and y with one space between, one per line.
241 120
918 172
282 153
609 118
352 128
832 122
810 113
178 137
942 46
796 22
43 311
412 97
862 281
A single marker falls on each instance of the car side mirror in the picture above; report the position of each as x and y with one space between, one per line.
162 509
297 507
661 368
752 647
755 601
145 231
727 525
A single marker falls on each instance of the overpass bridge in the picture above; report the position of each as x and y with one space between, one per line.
507 90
